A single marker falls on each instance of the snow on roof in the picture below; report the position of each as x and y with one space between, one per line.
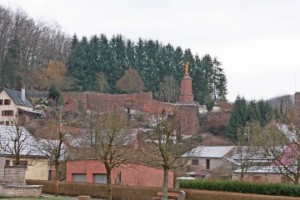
289 132
262 170
209 151
29 144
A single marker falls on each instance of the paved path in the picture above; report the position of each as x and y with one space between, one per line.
67 197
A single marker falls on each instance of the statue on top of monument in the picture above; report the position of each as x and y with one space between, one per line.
186 69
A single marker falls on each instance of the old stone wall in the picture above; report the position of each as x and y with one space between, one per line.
21 191
15 175
189 114
140 101
103 102
189 119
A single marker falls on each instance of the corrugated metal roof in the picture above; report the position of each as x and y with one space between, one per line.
17 98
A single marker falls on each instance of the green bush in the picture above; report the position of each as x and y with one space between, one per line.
243 187
143 193
97 190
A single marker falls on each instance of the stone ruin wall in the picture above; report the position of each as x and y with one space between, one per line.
189 114
140 101
104 102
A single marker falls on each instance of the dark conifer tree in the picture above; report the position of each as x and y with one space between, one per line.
238 118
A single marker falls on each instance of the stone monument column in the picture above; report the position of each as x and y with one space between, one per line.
186 91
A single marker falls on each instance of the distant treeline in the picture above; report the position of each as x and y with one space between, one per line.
99 59
38 54
26 47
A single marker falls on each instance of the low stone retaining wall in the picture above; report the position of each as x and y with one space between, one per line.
21 191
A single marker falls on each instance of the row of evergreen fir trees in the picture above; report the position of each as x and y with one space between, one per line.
96 64
247 112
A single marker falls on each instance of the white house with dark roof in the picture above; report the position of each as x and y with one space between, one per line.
14 103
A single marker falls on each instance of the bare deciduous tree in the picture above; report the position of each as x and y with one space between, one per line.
52 145
130 82
281 143
165 144
112 143
169 89
16 141
246 150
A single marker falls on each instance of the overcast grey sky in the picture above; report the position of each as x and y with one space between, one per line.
257 41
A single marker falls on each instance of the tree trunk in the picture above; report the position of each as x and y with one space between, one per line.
56 179
297 180
165 184
109 190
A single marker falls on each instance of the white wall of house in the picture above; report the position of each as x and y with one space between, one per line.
12 108
7 120
207 164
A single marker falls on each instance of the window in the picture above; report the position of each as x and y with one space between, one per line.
7 123
7 113
195 162
1 122
100 178
7 162
6 101
79 177
1 102
207 164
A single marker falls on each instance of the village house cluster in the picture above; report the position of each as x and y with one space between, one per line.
202 162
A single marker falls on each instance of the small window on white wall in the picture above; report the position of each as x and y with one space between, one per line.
195 162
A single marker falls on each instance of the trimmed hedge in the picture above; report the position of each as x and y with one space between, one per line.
96 190
142 193
278 189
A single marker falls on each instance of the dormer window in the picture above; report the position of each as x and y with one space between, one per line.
7 102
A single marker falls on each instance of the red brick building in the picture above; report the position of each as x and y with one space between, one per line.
93 171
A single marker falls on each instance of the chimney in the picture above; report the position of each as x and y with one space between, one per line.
23 94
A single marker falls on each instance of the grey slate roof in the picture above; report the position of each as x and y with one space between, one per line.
17 98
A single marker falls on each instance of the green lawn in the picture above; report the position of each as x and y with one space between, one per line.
46 197
43 198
